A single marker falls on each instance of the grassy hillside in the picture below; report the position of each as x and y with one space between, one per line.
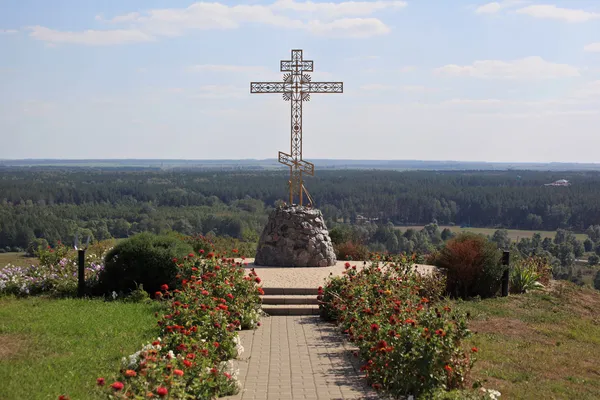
541 345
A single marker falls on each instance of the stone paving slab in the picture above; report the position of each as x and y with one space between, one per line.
298 357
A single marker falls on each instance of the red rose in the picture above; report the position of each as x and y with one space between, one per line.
178 372
162 391
201 251
100 381
374 327
63 397
187 363
117 385
130 373
257 279
474 349
164 287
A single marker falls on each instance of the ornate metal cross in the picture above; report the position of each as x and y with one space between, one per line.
296 88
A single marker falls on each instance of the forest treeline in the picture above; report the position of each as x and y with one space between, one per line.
57 203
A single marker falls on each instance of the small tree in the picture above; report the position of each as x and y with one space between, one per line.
588 245
593 260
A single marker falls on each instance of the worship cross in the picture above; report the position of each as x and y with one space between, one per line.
296 88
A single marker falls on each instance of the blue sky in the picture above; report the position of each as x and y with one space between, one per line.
423 79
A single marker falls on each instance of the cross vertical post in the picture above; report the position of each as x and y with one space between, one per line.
296 88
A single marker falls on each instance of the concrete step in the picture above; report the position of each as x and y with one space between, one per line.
290 299
290 291
291 309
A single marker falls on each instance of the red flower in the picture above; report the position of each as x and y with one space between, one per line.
228 376
474 349
347 265
235 250
162 391
216 344
157 295
374 327
100 381
63 397
201 251
210 255
117 385
187 363
178 372
130 373
448 368
229 295
440 332
257 279
164 287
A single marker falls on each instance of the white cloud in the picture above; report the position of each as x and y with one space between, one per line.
407 68
89 37
489 8
592 47
333 10
8 31
224 68
349 27
526 68
558 13
344 19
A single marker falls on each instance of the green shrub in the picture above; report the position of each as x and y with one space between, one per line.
34 246
144 259
597 280
473 266
593 260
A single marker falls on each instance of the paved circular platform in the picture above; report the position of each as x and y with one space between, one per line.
307 277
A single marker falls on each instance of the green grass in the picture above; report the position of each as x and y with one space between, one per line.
51 347
16 259
514 234
541 345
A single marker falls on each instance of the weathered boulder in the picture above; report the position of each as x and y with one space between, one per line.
295 236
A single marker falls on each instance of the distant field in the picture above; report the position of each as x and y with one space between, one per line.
16 259
514 234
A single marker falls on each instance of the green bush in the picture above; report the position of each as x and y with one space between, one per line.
34 246
597 280
473 265
144 259
593 260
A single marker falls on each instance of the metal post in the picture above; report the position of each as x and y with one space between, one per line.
81 273
505 275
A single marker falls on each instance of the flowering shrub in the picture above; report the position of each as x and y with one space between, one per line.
193 357
410 345
528 274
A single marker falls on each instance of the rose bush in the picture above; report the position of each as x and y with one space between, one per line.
409 341
193 357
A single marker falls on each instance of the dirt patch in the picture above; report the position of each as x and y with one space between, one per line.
11 346
505 326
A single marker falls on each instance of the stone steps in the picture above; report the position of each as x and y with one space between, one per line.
290 301
291 309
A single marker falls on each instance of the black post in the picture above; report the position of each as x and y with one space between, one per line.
81 273
505 275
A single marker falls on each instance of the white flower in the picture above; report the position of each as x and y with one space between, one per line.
114 295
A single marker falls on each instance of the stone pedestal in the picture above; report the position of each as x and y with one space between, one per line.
295 236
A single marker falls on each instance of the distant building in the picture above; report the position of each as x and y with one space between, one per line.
560 182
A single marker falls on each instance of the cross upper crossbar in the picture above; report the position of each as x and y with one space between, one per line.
296 88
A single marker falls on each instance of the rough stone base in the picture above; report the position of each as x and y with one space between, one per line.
295 236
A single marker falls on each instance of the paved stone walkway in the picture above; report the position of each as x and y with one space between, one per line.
298 357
